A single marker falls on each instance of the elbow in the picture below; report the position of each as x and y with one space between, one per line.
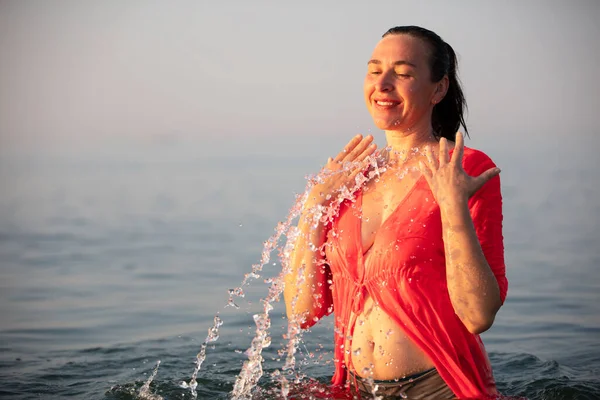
480 323
306 315
305 320
306 311
479 326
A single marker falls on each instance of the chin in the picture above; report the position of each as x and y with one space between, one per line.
388 125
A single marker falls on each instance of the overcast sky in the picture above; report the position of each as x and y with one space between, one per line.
87 74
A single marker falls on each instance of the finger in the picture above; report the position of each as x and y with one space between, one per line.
433 163
360 147
484 177
360 167
367 152
444 155
459 147
352 174
426 171
349 147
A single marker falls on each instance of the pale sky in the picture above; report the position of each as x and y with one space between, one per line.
278 73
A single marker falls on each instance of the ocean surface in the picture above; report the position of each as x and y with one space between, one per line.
109 264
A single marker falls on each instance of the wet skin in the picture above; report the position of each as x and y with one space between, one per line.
400 96
379 348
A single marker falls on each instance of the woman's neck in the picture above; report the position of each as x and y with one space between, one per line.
402 145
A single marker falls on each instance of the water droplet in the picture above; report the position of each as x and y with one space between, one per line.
356 352
285 387
266 342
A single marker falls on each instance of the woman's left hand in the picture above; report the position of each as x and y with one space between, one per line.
446 177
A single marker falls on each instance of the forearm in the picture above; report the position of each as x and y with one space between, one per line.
306 285
472 286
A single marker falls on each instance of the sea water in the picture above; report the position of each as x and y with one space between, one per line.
108 268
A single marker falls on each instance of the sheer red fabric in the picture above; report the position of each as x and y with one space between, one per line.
405 274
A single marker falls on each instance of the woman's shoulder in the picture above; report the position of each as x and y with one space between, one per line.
475 160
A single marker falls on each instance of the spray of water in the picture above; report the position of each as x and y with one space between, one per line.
252 369
213 336
144 393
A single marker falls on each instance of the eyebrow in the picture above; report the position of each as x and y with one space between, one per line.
401 62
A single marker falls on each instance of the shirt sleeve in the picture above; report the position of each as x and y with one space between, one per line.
485 207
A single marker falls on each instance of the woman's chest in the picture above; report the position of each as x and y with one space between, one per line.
411 232
380 204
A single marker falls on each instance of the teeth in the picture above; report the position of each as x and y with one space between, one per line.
385 103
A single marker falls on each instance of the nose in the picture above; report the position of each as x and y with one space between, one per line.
384 82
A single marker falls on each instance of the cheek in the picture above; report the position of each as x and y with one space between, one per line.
419 94
414 88
367 87
367 91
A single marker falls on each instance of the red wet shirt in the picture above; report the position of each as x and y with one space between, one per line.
405 274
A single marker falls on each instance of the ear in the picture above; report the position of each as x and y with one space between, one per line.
441 88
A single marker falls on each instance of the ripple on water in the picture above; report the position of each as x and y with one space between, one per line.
56 258
521 374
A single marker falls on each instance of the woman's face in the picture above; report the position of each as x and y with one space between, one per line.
398 88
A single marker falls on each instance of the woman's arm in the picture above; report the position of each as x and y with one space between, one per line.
307 294
472 285
471 244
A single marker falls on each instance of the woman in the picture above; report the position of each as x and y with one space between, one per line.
413 267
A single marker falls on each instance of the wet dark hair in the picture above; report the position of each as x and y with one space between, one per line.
448 114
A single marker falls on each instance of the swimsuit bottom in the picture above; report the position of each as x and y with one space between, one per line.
423 385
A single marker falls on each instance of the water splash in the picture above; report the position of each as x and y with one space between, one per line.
213 336
252 369
144 393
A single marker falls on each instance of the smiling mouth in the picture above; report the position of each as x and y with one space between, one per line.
385 103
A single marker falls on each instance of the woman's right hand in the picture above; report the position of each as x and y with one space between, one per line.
341 171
